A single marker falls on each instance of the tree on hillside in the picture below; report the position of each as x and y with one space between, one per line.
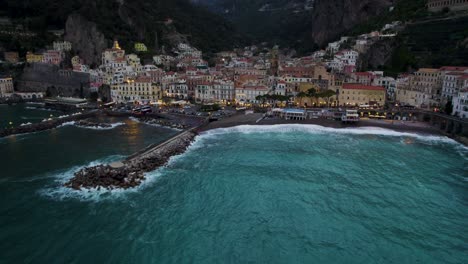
301 96
327 94
312 94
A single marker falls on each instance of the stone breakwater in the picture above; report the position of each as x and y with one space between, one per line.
162 122
85 123
45 125
131 172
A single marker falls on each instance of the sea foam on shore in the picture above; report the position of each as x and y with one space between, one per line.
316 129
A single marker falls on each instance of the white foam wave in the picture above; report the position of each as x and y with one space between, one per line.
155 125
40 108
114 125
316 129
60 192
70 123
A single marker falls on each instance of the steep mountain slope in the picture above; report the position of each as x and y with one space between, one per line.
301 24
331 18
128 21
283 22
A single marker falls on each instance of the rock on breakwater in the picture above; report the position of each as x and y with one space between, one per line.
162 122
45 125
89 124
131 172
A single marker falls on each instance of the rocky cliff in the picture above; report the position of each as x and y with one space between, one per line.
378 55
87 40
331 18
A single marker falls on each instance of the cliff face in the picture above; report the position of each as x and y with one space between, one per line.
378 55
331 18
86 39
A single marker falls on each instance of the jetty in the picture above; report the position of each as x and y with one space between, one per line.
130 172
46 124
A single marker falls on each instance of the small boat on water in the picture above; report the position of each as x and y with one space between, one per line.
351 116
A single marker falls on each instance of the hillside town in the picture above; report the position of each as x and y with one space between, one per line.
246 77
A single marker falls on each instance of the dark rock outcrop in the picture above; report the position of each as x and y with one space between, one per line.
85 123
131 172
85 37
162 122
46 125
378 54
331 18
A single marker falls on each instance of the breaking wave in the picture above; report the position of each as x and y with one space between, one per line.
58 191
316 129
74 123
154 125
114 125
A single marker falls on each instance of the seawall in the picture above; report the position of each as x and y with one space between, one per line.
45 125
131 172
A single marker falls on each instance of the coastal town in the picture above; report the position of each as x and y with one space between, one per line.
234 131
249 77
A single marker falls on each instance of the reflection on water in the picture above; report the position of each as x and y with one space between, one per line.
131 131
68 146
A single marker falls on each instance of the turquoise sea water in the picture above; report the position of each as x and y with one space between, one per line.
274 194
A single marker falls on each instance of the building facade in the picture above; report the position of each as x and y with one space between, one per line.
62 46
34 58
6 86
452 5
352 94
248 94
427 83
140 90
11 57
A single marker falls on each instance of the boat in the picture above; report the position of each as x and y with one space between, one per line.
351 116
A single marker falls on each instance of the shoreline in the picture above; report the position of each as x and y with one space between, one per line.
130 172
417 127
400 126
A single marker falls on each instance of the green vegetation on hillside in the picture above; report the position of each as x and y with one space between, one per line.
136 20
282 22
403 10
427 40
430 44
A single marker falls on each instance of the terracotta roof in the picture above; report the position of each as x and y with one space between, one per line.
453 68
429 70
363 74
356 86
204 83
253 87
143 79
454 73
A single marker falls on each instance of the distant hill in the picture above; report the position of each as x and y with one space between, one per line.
128 21
301 24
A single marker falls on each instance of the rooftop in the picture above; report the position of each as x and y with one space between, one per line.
356 86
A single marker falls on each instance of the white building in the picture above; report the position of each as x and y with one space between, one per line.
280 88
248 94
333 47
140 90
177 89
62 46
224 91
389 83
460 104
452 81
6 86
